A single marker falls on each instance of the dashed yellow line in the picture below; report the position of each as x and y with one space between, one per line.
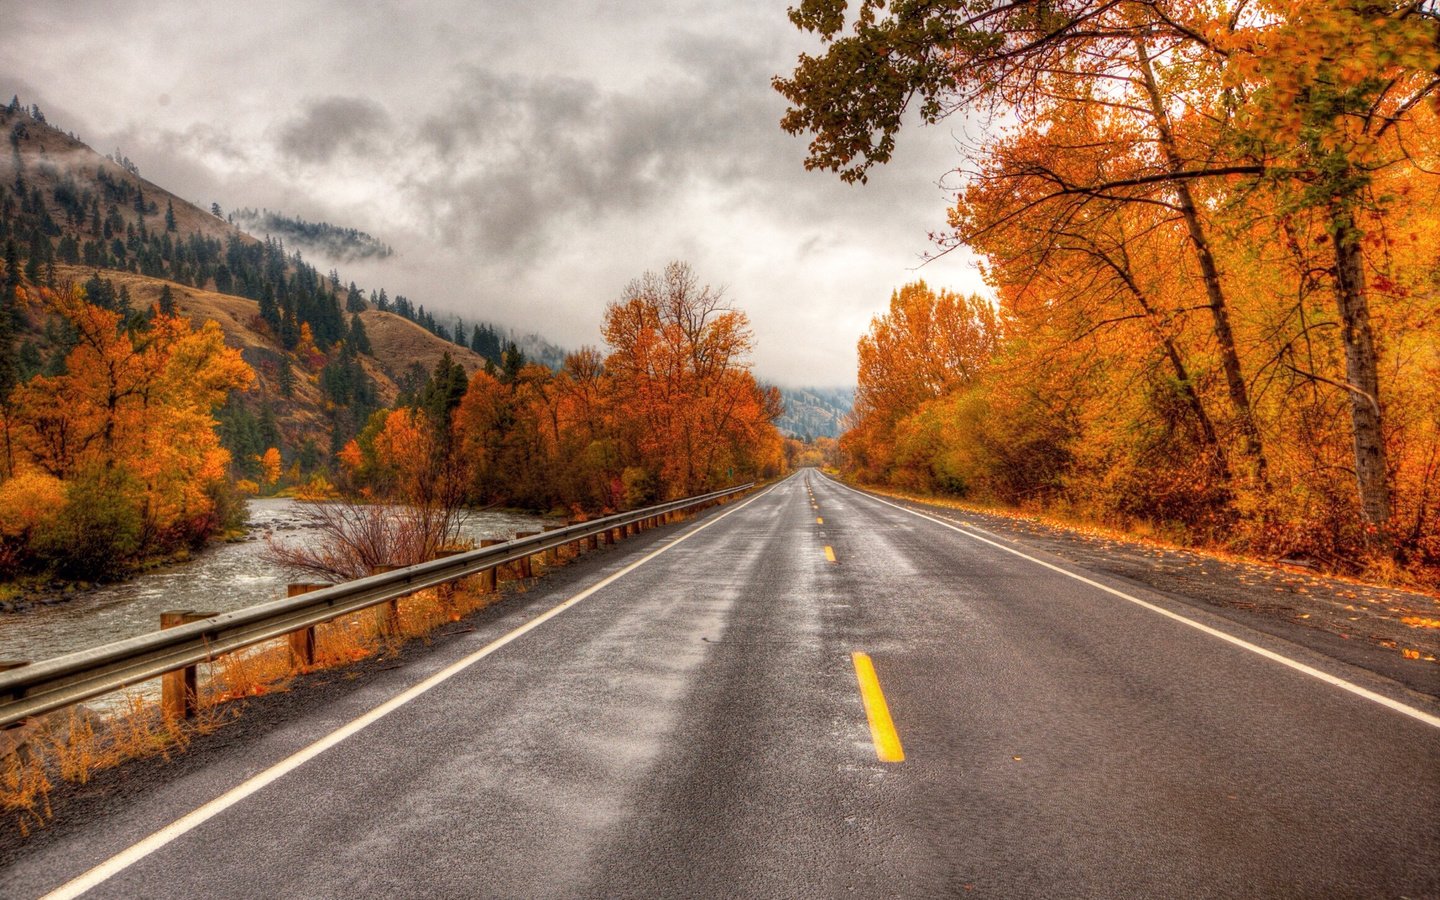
882 727
829 553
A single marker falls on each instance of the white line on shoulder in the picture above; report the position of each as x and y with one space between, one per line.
1333 680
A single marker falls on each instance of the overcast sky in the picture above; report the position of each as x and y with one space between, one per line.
524 160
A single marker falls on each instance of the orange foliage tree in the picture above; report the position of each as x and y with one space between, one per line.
129 429
1204 225
687 403
673 409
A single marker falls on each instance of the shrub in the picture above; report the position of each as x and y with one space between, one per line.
98 533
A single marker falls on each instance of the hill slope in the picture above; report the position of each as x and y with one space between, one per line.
75 216
816 412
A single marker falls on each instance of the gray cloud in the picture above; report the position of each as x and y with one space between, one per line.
333 124
527 160
523 163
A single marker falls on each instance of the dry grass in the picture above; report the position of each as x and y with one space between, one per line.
74 744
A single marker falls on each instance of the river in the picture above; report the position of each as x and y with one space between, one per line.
218 579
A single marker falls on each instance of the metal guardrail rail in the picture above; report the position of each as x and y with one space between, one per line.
52 684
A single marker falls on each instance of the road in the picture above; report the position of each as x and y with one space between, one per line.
694 728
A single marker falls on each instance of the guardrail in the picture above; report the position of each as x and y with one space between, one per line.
35 688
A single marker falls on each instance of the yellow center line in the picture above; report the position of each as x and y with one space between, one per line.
819 520
829 553
882 727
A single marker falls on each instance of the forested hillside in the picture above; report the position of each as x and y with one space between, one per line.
815 412
75 217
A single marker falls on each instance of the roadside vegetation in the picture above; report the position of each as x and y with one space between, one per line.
1210 232
72 746
111 457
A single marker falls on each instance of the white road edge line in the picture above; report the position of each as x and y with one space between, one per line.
138 851
1412 712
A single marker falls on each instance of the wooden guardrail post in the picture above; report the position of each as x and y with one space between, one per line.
524 562
15 737
180 690
552 556
445 593
489 578
389 611
302 642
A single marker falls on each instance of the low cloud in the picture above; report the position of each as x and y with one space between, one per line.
333 124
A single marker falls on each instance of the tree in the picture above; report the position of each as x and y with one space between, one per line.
270 311
928 345
270 467
1167 162
1092 54
129 426
9 314
679 365
286 377
166 303
169 215
354 301
358 337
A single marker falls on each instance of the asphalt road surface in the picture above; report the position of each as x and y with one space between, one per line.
695 728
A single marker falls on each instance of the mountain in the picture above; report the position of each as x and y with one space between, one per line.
816 412
325 357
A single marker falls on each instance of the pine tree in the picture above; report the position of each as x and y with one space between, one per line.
269 311
167 301
169 216
358 338
286 377
289 330
8 317
354 300
512 361
268 428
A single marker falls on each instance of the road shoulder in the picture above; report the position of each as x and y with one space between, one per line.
1359 624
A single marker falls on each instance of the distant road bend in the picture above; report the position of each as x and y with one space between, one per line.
809 693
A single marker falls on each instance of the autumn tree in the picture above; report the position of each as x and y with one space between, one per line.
129 427
927 345
680 369
1141 125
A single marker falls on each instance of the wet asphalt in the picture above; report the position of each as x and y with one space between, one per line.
694 729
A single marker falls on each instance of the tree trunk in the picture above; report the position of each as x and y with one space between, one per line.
1214 292
1362 373
1177 362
